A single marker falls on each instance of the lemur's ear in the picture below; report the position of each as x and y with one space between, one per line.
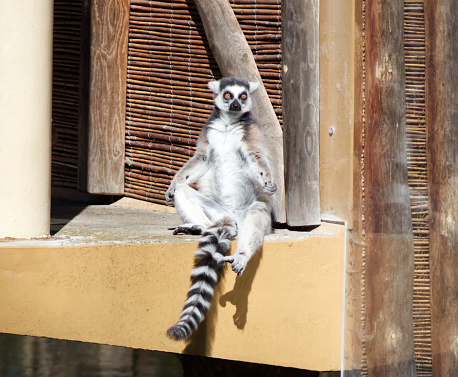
214 86
253 86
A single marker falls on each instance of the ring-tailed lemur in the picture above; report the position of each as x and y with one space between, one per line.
234 180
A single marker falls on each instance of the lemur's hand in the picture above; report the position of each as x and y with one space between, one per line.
269 187
170 196
238 262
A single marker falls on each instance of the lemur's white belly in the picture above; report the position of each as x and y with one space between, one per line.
232 184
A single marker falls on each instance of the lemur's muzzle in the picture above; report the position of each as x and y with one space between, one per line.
235 106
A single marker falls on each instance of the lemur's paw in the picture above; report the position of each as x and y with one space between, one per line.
269 187
170 197
238 262
191 229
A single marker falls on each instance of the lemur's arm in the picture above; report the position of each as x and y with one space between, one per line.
258 154
190 172
264 172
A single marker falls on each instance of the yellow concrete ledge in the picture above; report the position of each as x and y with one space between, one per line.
285 310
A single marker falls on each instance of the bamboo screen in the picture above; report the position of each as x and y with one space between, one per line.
65 91
169 66
414 36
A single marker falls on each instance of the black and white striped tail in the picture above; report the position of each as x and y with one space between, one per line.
213 246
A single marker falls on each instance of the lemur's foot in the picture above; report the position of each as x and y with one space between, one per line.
191 229
238 262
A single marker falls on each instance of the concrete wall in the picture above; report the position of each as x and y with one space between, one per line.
339 76
337 80
25 117
285 310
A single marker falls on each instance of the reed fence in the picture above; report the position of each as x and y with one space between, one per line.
65 91
169 66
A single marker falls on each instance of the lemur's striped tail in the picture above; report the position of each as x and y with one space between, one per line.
213 246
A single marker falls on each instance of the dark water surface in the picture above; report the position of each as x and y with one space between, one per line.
25 356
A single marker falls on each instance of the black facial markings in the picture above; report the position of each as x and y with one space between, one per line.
235 106
227 95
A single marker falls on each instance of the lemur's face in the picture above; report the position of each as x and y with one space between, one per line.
233 95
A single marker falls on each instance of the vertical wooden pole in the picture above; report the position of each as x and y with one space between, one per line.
105 26
388 225
301 89
234 57
356 286
442 148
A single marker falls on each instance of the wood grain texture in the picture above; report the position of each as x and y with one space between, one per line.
354 305
301 90
442 147
103 96
388 225
234 58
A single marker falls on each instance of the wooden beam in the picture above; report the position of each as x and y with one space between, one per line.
442 149
105 26
234 58
388 225
301 90
355 301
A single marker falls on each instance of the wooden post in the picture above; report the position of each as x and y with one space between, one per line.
355 301
388 225
442 148
301 89
234 58
105 26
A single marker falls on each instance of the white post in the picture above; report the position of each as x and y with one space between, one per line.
25 117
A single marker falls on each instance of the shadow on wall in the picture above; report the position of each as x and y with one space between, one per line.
242 288
201 342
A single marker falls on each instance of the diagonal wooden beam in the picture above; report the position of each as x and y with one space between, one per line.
234 58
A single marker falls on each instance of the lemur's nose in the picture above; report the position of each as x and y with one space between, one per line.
235 106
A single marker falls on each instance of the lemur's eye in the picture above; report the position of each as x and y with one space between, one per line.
227 95
243 96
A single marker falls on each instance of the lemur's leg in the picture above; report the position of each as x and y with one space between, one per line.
196 211
251 231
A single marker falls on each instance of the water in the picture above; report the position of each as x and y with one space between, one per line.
25 356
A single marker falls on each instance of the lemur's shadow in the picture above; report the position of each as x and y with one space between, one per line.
201 342
242 288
